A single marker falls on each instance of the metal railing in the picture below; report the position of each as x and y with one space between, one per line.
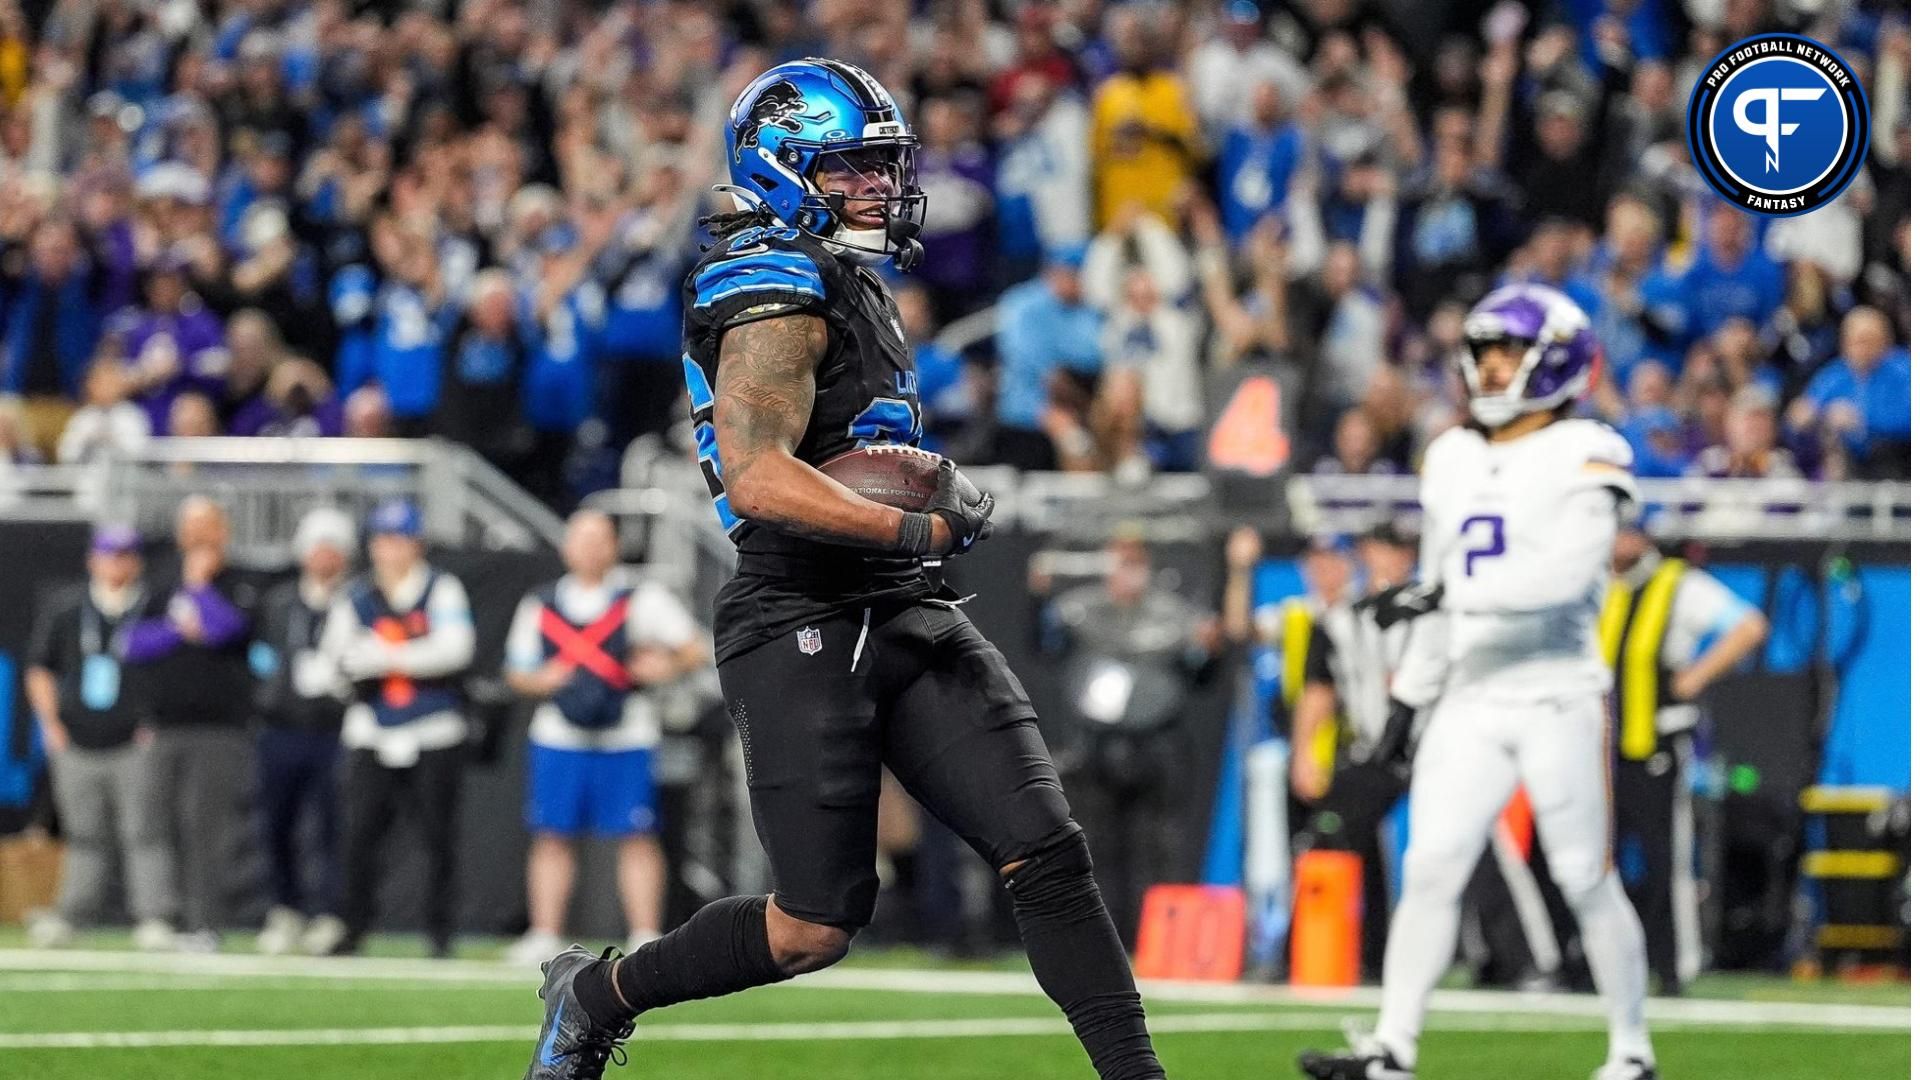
1694 508
267 484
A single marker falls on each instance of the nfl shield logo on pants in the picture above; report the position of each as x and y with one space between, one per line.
809 637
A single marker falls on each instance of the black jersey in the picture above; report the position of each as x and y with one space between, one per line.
865 391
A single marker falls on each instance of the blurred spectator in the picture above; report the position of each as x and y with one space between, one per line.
1651 426
193 417
1257 158
1045 332
1731 277
410 321
1343 323
1860 403
1617 282
1251 325
171 343
108 424
1805 329
50 328
253 349
187 654
367 415
1751 450
958 177
1151 387
298 401
487 359
1454 224
946 402
1132 240
103 764
1234 68
641 270
1043 183
1146 139
403 635
299 700
566 310
1037 56
272 276
1356 449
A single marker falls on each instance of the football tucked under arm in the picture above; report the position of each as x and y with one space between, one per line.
763 398
920 482
903 477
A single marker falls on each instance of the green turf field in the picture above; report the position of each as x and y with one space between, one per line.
94 1013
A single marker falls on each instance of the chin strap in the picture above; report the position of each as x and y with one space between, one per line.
901 234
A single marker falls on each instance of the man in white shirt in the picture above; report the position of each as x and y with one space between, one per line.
403 635
587 647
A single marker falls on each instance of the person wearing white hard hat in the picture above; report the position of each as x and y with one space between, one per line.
300 699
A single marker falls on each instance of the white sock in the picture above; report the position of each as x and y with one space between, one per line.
1420 948
1617 955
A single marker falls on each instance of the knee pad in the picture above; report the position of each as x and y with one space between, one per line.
1438 874
1056 882
1580 878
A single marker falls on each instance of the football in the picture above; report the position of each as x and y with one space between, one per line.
900 476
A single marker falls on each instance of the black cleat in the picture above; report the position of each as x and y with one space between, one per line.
572 1046
1363 1059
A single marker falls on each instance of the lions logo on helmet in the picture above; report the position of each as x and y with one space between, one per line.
778 105
794 117
1559 354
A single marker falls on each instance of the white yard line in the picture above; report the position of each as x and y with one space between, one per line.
1683 1011
850 1031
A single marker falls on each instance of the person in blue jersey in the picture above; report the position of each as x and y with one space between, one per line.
402 634
1730 277
640 271
839 649
1257 162
410 320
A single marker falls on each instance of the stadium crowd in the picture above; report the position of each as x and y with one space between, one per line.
471 219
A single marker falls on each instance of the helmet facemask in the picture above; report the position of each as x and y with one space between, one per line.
869 198
1496 408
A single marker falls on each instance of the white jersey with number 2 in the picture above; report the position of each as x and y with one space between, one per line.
1521 534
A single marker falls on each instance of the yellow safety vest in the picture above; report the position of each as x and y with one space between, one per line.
1633 626
1296 632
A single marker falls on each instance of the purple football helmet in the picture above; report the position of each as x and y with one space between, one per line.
1560 355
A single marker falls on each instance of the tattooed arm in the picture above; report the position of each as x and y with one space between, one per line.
763 396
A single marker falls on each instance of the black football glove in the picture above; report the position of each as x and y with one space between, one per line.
1394 750
968 510
1402 602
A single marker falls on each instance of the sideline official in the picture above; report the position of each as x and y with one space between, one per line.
588 648
1669 630
403 635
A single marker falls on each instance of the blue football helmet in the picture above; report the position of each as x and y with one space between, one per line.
802 115
1560 357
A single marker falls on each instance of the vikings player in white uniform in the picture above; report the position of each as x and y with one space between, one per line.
1520 512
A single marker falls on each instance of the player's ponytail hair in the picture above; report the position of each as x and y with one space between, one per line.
723 225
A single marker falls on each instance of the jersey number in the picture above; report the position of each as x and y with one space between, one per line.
1493 541
887 420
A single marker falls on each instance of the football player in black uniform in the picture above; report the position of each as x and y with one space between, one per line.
837 653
